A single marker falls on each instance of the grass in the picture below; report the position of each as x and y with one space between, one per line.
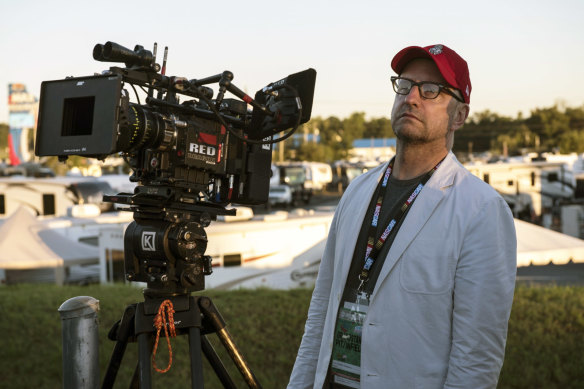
545 346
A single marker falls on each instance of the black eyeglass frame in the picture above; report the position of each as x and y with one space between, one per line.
441 88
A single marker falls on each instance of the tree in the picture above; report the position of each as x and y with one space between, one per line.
332 137
314 152
486 130
378 128
544 129
354 127
549 124
572 141
576 118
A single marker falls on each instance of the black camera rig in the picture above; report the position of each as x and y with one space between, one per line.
190 159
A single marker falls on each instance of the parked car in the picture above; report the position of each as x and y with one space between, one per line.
280 195
293 176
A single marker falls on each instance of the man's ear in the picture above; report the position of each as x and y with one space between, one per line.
460 114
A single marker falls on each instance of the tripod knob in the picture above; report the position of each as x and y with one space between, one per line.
207 265
187 240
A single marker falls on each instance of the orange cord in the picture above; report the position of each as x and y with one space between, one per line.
160 321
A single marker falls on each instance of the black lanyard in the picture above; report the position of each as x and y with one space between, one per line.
373 247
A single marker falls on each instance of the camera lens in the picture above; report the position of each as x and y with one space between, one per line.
143 129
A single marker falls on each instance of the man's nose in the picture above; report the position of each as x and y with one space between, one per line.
413 96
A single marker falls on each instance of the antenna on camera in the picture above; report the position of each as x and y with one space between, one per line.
163 71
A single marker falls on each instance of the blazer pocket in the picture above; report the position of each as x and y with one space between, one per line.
427 267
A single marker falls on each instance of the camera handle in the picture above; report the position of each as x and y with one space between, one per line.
195 316
224 80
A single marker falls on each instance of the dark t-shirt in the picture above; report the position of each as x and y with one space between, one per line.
396 195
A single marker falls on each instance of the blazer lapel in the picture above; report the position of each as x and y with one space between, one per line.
423 207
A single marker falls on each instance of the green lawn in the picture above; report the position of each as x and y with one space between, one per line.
545 347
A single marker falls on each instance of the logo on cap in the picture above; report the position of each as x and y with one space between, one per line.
436 50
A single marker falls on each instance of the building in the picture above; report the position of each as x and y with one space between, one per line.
373 149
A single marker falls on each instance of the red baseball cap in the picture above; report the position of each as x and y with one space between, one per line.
453 68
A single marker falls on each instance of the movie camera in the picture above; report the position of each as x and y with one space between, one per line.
190 159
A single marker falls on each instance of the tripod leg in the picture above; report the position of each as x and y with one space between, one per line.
121 332
144 352
212 314
196 359
135 383
216 364
114 365
136 377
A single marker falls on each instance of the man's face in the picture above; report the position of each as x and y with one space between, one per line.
416 120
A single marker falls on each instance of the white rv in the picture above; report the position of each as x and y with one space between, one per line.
318 175
51 196
529 187
295 182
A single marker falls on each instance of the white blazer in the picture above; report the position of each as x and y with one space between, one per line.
438 314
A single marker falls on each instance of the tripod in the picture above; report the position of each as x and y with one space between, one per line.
195 316
165 248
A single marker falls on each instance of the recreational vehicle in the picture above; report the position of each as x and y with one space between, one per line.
530 188
318 175
51 196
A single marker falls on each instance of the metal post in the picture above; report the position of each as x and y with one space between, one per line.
80 342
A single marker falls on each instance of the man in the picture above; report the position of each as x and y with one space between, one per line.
416 282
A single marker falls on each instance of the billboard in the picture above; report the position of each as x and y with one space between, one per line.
22 117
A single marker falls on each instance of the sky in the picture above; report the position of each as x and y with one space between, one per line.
522 54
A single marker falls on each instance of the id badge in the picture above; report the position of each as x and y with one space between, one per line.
346 358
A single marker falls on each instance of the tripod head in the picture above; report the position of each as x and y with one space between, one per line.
166 250
165 244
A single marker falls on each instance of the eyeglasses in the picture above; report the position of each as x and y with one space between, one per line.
428 90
